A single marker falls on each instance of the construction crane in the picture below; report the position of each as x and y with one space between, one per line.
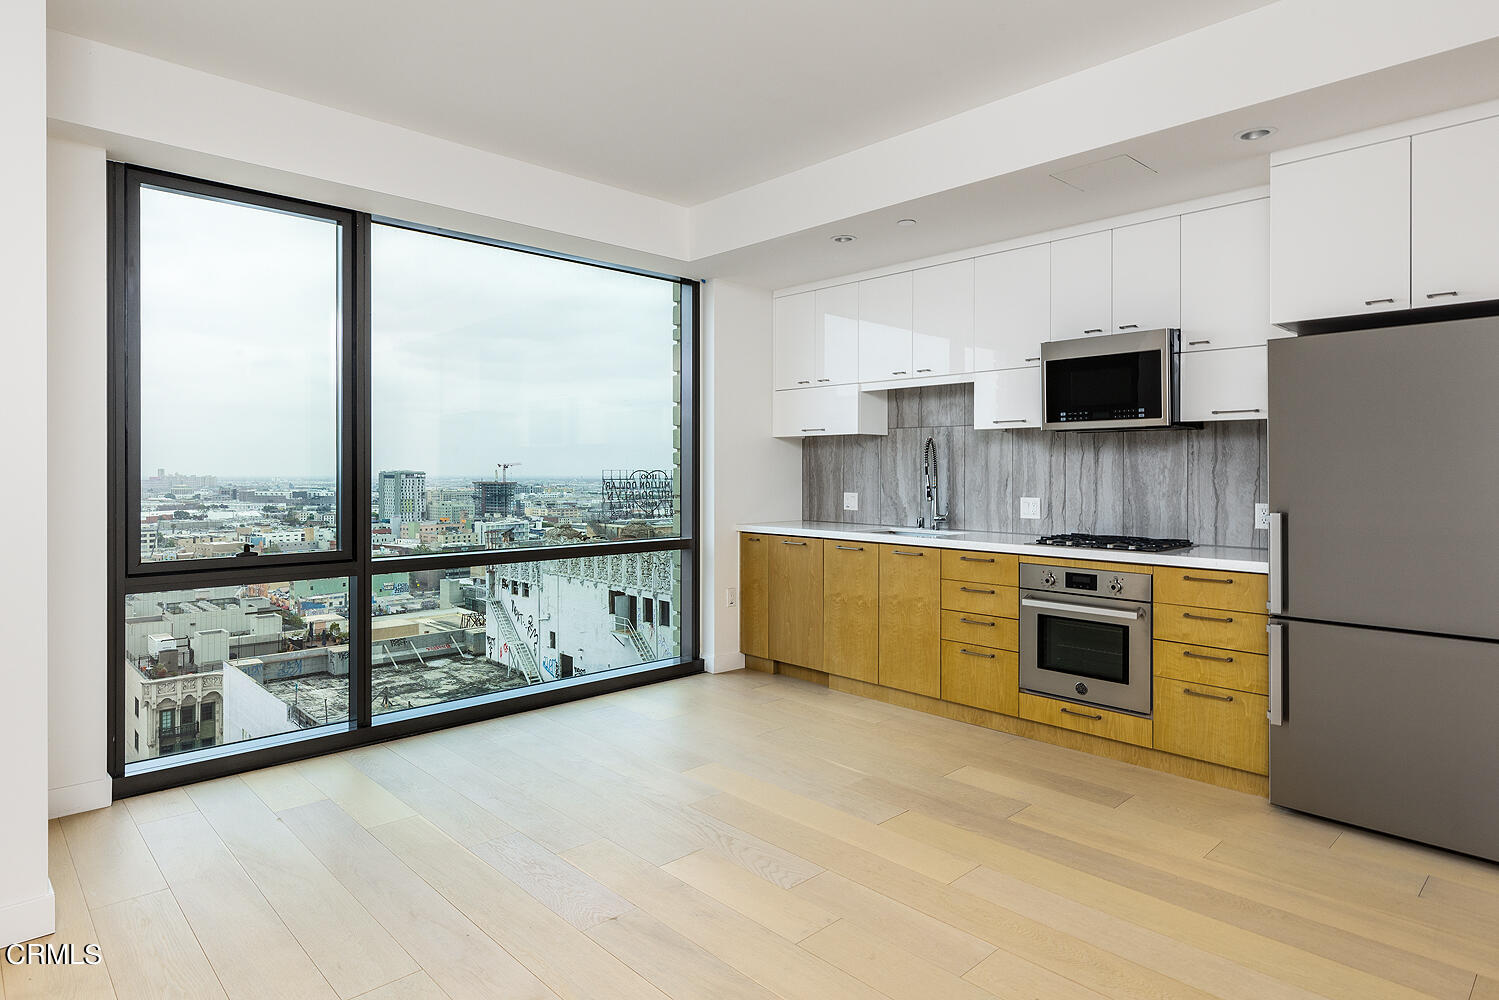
502 469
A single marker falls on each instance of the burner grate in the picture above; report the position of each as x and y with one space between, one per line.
1126 543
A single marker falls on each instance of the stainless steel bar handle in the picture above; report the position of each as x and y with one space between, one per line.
1276 605
1253 409
897 373
1011 420
1194 343
809 430
1129 326
1081 715
900 552
787 541
850 548
1377 302
803 381
1033 359
1189 654
1207 618
1276 712
1095 330
970 652
1205 579
975 621
1438 295
975 590
1204 694
1083 609
922 371
975 559
824 380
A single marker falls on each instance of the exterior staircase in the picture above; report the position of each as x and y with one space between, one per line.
623 626
524 658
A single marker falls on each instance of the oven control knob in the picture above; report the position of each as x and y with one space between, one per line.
1117 585
1049 578
1080 687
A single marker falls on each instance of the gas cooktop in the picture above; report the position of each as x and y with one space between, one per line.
1130 543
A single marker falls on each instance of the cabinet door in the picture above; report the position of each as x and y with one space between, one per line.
1225 286
1082 286
1006 400
942 319
1340 233
1147 275
981 677
795 588
1011 307
795 331
1213 724
850 610
885 327
836 345
911 619
1225 385
828 409
1455 214
754 584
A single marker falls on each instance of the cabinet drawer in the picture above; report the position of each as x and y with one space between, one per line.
1206 588
981 567
1228 668
1199 626
1086 719
981 677
983 598
1213 724
981 630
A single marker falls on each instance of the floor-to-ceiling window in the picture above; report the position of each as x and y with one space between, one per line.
370 477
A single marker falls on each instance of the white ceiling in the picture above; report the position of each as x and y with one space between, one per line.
684 100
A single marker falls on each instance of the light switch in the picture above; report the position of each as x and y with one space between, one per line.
850 501
1030 507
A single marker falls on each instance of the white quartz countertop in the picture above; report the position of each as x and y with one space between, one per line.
1217 557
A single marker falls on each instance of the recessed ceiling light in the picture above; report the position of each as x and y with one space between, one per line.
905 222
1251 134
844 238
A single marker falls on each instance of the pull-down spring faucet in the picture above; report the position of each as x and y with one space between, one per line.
931 519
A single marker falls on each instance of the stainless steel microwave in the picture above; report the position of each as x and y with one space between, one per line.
1113 382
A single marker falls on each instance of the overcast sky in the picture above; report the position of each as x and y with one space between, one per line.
481 355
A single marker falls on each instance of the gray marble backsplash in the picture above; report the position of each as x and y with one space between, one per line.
1200 484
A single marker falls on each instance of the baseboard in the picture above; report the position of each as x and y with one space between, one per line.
82 797
722 663
29 919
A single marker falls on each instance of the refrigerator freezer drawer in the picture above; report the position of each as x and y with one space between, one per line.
1391 731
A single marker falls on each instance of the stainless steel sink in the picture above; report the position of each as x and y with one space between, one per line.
919 532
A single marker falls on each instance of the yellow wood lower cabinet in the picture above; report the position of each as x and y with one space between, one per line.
983 630
795 600
851 610
754 582
1213 724
981 567
1199 626
910 619
1228 668
981 677
981 598
1086 719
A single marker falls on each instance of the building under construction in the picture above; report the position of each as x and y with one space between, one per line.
643 493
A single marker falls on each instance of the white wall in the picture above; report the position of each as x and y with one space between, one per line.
26 909
77 477
747 474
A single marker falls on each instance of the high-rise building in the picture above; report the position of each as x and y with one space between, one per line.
402 495
493 499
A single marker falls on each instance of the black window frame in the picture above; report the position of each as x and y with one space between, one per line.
353 559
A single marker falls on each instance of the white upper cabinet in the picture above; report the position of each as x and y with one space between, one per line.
1225 283
1455 214
836 347
1341 233
1011 307
1147 275
820 410
1081 286
1007 400
795 330
885 328
942 319
1225 385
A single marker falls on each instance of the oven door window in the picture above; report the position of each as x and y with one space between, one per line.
1106 387
1098 650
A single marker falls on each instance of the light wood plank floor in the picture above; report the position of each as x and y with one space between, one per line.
748 836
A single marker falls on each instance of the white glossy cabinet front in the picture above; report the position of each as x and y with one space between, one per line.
1225 283
942 319
795 332
1007 400
828 409
836 348
1146 279
1455 214
1225 385
1082 286
885 327
1341 233
1011 307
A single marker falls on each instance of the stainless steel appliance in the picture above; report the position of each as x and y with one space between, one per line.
1384 566
1115 382
1085 636
1126 543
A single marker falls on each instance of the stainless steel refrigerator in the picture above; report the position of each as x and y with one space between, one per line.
1384 580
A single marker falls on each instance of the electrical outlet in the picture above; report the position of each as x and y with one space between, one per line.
850 501
731 597
1030 507
1262 515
